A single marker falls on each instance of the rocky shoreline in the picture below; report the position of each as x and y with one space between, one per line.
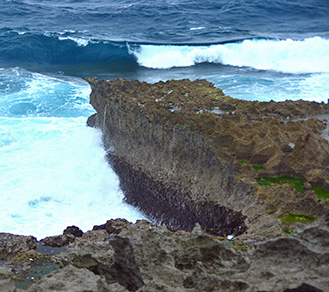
121 256
241 188
185 153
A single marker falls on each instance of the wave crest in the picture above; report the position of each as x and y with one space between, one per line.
291 56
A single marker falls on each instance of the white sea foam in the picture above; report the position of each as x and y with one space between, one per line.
79 41
305 56
54 174
53 171
197 28
29 94
278 87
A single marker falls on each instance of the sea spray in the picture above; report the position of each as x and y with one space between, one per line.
289 56
53 169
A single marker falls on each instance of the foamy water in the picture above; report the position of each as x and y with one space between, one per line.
289 56
53 170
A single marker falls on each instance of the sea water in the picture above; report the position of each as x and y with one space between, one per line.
53 169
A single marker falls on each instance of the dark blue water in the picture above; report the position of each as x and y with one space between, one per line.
49 160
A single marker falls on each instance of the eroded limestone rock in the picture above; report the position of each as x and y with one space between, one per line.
186 153
148 258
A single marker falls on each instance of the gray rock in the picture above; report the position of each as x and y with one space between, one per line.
69 279
7 286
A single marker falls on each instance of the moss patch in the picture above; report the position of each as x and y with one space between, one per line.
321 193
287 231
257 167
294 218
254 166
272 182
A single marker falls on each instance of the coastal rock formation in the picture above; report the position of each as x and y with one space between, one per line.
11 245
241 187
146 257
185 153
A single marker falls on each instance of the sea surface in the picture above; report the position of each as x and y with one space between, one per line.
53 171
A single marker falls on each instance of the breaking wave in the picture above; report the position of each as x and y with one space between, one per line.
290 56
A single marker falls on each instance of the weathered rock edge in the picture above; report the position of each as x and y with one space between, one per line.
121 256
176 147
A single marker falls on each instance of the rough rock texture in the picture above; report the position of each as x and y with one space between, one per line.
194 159
186 153
11 245
145 257
69 279
58 240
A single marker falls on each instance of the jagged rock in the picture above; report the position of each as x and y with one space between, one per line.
181 151
75 231
58 240
310 159
113 226
69 235
148 257
11 245
90 236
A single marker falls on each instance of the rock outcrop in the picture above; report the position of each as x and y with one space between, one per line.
240 186
185 153
146 257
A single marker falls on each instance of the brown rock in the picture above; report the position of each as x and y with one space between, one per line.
12 245
178 154
58 240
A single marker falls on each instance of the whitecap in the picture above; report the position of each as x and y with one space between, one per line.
197 28
79 41
289 56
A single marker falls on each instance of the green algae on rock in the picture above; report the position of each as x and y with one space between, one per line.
294 218
177 147
296 183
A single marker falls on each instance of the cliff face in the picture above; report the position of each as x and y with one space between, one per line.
186 153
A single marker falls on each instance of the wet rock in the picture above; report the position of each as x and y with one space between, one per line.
69 279
92 120
113 226
73 230
58 240
12 245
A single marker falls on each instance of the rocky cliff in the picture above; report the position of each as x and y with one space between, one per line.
186 153
241 186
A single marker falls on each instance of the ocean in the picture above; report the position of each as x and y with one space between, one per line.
53 171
